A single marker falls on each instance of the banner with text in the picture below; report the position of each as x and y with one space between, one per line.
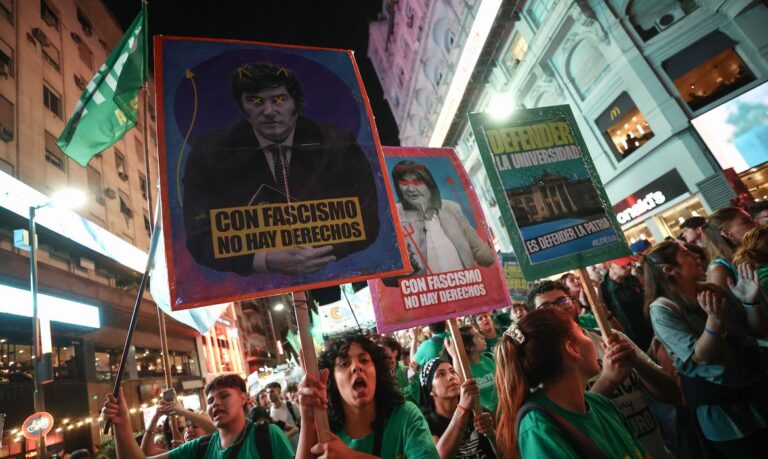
557 213
272 175
455 268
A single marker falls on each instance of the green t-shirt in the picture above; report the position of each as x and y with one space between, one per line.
490 343
406 434
602 423
484 373
281 446
588 321
403 383
430 349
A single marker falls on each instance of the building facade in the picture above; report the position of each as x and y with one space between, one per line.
91 258
637 75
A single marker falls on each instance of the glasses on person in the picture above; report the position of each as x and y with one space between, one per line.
564 300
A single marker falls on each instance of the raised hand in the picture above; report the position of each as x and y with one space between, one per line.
747 290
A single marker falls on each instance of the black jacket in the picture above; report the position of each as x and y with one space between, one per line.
227 168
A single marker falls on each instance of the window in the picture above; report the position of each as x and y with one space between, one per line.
120 165
53 153
143 185
6 60
708 70
86 55
49 15
125 209
7 115
94 185
517 50
624 127
106 362
80 82
6 10
16 362
652 18
538 10
52 56
52 100
139 149
84 23
149 363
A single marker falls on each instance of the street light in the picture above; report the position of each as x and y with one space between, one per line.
66 199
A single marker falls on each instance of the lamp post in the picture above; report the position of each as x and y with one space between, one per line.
62 199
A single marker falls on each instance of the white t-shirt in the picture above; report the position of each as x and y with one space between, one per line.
282 414
629 397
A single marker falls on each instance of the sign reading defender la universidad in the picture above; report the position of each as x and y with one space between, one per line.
271 171
557 215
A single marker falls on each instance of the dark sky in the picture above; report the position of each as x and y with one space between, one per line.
334 24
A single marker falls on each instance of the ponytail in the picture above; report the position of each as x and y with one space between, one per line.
529 354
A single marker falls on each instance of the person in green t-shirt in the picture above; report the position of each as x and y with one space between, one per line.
487 327
430 347
549 350
393 351
368 415
447 404
235 437
481 364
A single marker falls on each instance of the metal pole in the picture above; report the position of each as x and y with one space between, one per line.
39 396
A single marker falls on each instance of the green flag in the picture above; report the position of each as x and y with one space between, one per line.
293 340
108 107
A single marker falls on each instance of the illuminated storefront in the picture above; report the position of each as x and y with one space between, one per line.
221 346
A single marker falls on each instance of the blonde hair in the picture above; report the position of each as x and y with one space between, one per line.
754 247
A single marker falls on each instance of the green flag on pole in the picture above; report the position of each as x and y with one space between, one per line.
108 107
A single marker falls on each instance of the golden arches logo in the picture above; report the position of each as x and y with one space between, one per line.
615 112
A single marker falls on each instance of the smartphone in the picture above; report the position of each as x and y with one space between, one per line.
169 395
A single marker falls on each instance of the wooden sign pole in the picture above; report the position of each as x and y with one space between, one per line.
598 308
301 308
465 371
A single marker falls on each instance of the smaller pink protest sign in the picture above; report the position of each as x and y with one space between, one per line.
456 271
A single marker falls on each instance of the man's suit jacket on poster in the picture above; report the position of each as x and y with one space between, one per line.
227 168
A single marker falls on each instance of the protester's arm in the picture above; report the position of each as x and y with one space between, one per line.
660 384
312 394
198 419
615 370
116 411
449 442
414 345
710 347
748 291
148 440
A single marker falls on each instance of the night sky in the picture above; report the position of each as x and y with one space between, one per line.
334 24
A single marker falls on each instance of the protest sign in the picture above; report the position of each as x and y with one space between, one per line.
271 171
455 268
516 283
354 311
554 205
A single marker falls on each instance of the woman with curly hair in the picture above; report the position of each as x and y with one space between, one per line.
544 363
367 413
722 235
754 250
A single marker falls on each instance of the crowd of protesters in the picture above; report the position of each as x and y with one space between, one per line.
682 375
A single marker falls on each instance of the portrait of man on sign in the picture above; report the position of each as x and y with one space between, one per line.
276 193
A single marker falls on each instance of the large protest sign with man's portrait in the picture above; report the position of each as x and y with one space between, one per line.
557 213
271 171
455 268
